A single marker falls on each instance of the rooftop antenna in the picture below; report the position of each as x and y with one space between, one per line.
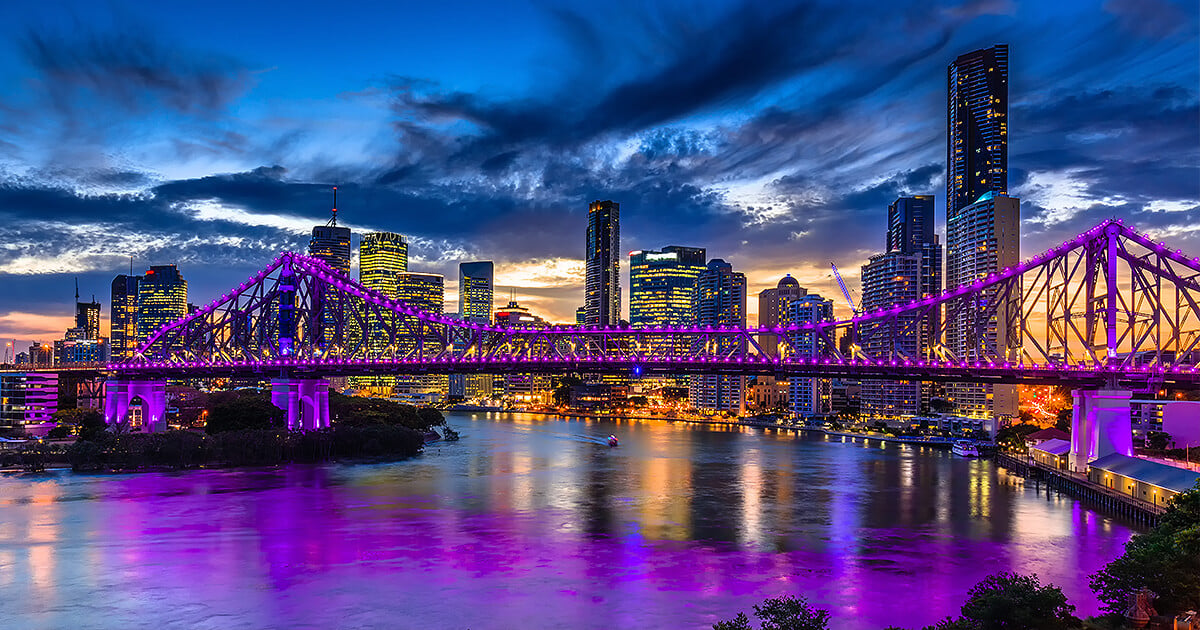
76 288
131 265
333 219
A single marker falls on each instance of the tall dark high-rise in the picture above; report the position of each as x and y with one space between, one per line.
122 317
602 299
977 127
910 270
87 319
982 221
331 243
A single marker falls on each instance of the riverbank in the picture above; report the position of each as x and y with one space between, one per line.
181 449
937 442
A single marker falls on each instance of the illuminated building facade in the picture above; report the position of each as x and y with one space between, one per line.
122 318
425 292
27 398
887 280
602 297
475 290
476 285
982 222
976 127
982 239
662 285
162 299
772 308
720 301
381 256
526 387
809 397
87 319
910 269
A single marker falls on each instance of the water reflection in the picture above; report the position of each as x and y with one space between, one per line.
533 522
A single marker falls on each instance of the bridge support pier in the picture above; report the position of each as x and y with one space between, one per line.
1100 426
306 401
121 393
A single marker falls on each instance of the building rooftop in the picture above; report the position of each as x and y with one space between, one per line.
1154 473
1047 434
1053 447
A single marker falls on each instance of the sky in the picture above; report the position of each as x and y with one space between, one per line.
773 134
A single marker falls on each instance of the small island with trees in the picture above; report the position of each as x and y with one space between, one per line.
239 428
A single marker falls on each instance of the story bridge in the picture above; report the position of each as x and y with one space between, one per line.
1108 311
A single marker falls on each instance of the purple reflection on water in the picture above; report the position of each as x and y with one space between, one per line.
532 523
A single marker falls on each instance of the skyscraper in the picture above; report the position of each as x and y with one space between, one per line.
475 295
887 280
425 292
87 318
381 256
331 244
772 308
162 299
475 289
910 269
123 317
982 222
602 298
977 126
662 285
809 396
720 301
981 239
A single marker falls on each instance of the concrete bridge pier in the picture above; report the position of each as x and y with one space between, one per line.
1100 425
122 393
306 401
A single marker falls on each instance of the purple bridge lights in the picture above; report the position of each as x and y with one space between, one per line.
1108 310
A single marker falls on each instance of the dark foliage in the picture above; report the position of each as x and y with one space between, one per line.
362 412
238 410
1166 560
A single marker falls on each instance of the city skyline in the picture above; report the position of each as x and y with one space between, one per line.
240 207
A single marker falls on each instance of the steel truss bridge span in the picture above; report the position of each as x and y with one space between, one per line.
1109 307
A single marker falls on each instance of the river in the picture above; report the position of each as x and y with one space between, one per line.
532 522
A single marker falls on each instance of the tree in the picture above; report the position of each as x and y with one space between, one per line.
1009 601
1158 440
59 432
740 622
1063 423
781 613
1165 560
243 410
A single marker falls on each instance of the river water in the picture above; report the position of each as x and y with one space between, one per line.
531 522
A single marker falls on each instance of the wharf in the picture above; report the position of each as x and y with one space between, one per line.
1078 486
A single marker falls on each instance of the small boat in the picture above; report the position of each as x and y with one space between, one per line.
612 441
966 448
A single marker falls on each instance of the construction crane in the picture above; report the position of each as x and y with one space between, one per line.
845 291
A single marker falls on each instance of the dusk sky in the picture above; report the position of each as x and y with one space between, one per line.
774 135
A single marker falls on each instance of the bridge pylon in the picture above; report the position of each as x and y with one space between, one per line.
121 393
306 401
1100 425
